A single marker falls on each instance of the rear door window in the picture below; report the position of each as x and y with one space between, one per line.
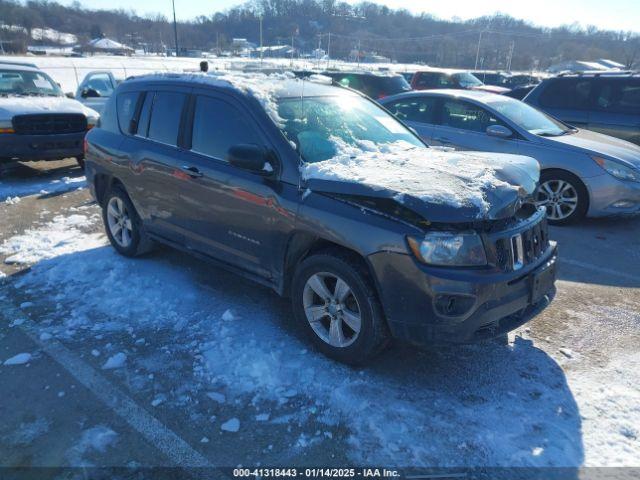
466 116
569 93
619 95
166 113
415 109
434 80
217 126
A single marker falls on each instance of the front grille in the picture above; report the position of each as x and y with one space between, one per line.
518 248
49 123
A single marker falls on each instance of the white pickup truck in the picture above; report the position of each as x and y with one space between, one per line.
96 88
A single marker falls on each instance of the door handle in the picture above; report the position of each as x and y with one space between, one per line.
191 171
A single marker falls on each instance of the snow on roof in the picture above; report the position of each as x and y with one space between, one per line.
107 44
433 176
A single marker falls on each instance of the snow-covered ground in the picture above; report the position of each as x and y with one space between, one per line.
194 339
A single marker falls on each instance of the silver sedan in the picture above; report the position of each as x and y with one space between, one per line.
583 173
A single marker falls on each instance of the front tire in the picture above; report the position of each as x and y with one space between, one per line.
334 298
563 195
123 225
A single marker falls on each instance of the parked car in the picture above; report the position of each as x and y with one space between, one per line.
519 92
492 77
96 88
438 78
37 122
375 85
605 102
231 170
516 80
583 172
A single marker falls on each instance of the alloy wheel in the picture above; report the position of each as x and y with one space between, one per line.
119 220
559 197
332 309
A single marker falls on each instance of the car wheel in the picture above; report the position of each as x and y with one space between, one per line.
334 298
122 224
563 195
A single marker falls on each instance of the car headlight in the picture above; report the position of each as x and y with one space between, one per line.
6 126
449 249
618 170
92 121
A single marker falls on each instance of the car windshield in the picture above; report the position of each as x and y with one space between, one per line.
26 82
316 125
530 119
466 80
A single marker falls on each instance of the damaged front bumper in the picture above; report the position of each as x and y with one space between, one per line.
428 305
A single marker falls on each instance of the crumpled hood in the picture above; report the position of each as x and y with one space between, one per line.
14 105
439 186
593 143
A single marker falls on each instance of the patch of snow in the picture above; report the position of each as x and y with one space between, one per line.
216 397
61 236
115 361
93 440
228 316
15 188
12 200
44 336
262 417
19 359
231 425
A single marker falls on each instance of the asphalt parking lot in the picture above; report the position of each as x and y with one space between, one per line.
164 361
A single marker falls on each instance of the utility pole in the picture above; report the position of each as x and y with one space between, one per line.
261 45
328 50
511 49
175 27
478 50
292 47
358 53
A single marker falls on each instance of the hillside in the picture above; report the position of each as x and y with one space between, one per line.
372 28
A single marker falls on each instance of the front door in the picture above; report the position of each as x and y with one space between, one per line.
229 213
463 126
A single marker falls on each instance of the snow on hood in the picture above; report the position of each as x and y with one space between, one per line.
439 185
15 105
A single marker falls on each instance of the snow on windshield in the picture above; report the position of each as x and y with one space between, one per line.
457 179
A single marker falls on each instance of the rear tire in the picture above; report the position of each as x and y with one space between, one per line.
123 225
563 195
334 297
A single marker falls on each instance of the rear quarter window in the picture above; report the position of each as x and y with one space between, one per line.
567 93
619 95
126 106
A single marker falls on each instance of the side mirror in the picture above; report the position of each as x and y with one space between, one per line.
89 93
499 131
251 157
70 95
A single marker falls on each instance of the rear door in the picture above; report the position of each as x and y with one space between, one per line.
616 109
418 112
463 125
157 159
226 212
568 99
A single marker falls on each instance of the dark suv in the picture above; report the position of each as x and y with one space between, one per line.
320 194
603 102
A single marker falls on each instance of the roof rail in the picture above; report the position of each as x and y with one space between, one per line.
598 73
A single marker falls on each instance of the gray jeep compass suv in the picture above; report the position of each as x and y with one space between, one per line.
317 192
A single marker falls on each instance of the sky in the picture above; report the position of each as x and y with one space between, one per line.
605 14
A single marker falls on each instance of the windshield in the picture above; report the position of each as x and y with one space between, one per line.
466 80
530 119
316 125
19 82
